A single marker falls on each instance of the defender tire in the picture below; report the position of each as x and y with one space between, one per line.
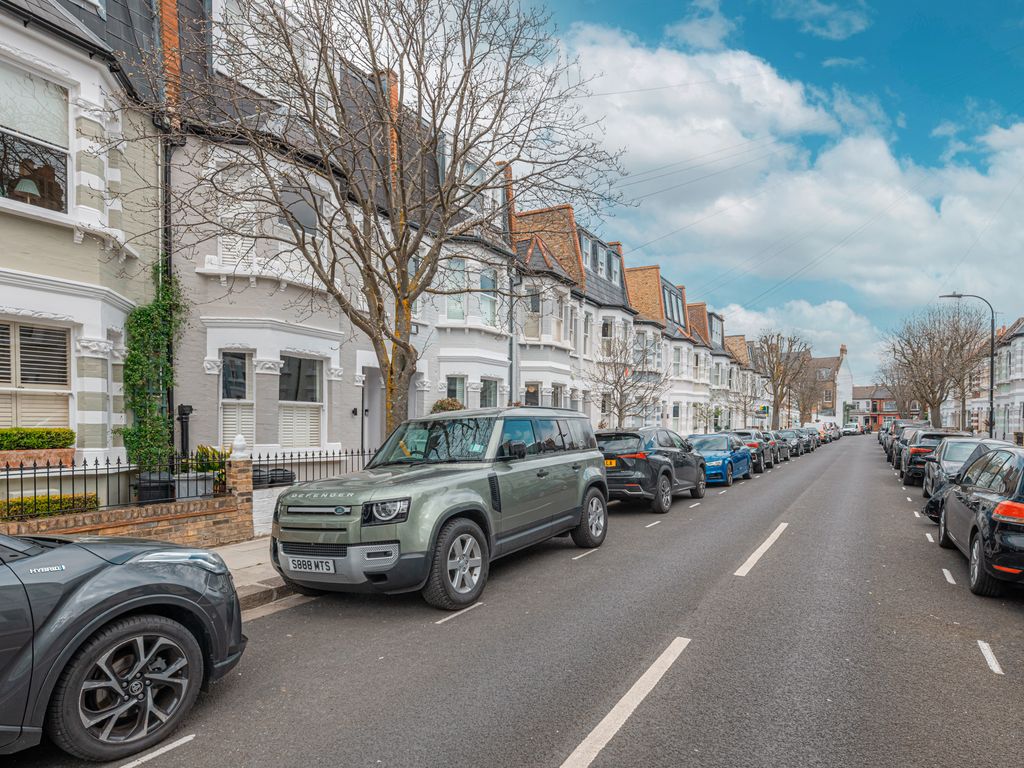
459 566
593 526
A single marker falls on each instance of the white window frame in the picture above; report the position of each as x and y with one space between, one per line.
460 384
455 306
489 298
17 390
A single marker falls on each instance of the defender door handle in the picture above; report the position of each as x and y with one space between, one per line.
542 473
575 467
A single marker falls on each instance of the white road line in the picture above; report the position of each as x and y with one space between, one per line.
757 477
162 751
993 663
720 493
588 552
903 487
752 560
929 536
278 605
910 499
458 613
695 505
769 471
598 738
656 522
916 513
948 575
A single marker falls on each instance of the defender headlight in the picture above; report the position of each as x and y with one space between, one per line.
383 512
208 561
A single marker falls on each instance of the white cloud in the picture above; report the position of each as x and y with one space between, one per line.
841 61
832 20
740 194
826 326
704 27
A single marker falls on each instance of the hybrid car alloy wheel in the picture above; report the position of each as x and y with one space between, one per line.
663 495
126 689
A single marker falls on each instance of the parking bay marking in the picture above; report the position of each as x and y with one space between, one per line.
695 505
720 493
162 751
588 552
993 663
458 613
604 731
916 513
929 536
910 500
752 560
948 575
656 522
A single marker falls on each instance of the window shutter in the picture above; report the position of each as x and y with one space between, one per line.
5 354
238 419
43 356
299 426
6 410
42 410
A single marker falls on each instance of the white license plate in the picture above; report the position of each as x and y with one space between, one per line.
310 565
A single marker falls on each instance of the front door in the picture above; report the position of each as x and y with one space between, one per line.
15 656
526 487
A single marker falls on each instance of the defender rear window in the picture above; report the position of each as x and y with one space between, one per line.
518 430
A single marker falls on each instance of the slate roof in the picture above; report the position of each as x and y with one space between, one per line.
537 258
676 330
50 15
864 392
1015 329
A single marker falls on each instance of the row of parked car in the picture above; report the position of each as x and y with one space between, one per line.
974 487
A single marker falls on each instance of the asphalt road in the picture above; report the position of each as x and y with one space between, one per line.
843 644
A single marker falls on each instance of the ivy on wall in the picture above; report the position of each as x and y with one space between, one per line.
150 331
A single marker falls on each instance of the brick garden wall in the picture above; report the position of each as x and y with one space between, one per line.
207 522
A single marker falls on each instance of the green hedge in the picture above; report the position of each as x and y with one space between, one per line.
24 439
47 506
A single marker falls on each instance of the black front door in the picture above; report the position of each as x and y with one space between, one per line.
15 654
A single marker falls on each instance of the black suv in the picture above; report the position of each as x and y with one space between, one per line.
923 443
651 463
107 642
760 447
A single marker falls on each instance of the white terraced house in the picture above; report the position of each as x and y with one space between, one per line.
77 251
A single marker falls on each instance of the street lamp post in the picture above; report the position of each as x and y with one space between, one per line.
991 356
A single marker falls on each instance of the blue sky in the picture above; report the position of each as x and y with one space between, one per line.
830 164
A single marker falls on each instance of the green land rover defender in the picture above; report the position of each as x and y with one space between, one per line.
444 496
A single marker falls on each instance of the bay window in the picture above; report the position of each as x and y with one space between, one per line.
588 321
489 297
33 140
456 282
35 376
456 388
488 393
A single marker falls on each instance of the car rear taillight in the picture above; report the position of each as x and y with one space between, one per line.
752 445
916 451
641 456
1009 512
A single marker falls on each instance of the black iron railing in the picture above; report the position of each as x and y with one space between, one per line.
30 490
286 468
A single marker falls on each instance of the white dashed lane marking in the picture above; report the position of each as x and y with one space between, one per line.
458 613
948 575
695 505
990 658
656 522
929 537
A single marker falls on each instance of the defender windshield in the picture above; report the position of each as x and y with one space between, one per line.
437 441
710 443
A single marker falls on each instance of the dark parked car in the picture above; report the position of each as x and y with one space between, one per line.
896 430
760 447
983 517
798 442
900 443
651 463
942 480
726 455
107 642
922 444
950 457
783 452
812 435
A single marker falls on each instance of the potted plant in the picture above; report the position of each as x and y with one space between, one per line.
202 474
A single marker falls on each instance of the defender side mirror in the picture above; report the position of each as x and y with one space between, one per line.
516 450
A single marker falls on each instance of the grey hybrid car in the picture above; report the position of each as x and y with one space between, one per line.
105 643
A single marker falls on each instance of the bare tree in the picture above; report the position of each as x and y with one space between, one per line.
626 371
371 148
934 350
807 393
781 359
892 376
707 413
744 398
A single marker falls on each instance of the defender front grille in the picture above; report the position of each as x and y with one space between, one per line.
308 549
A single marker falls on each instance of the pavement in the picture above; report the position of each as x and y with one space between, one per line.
801 618
256 581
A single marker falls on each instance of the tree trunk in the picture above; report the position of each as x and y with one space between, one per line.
776 405
935 412
400 368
